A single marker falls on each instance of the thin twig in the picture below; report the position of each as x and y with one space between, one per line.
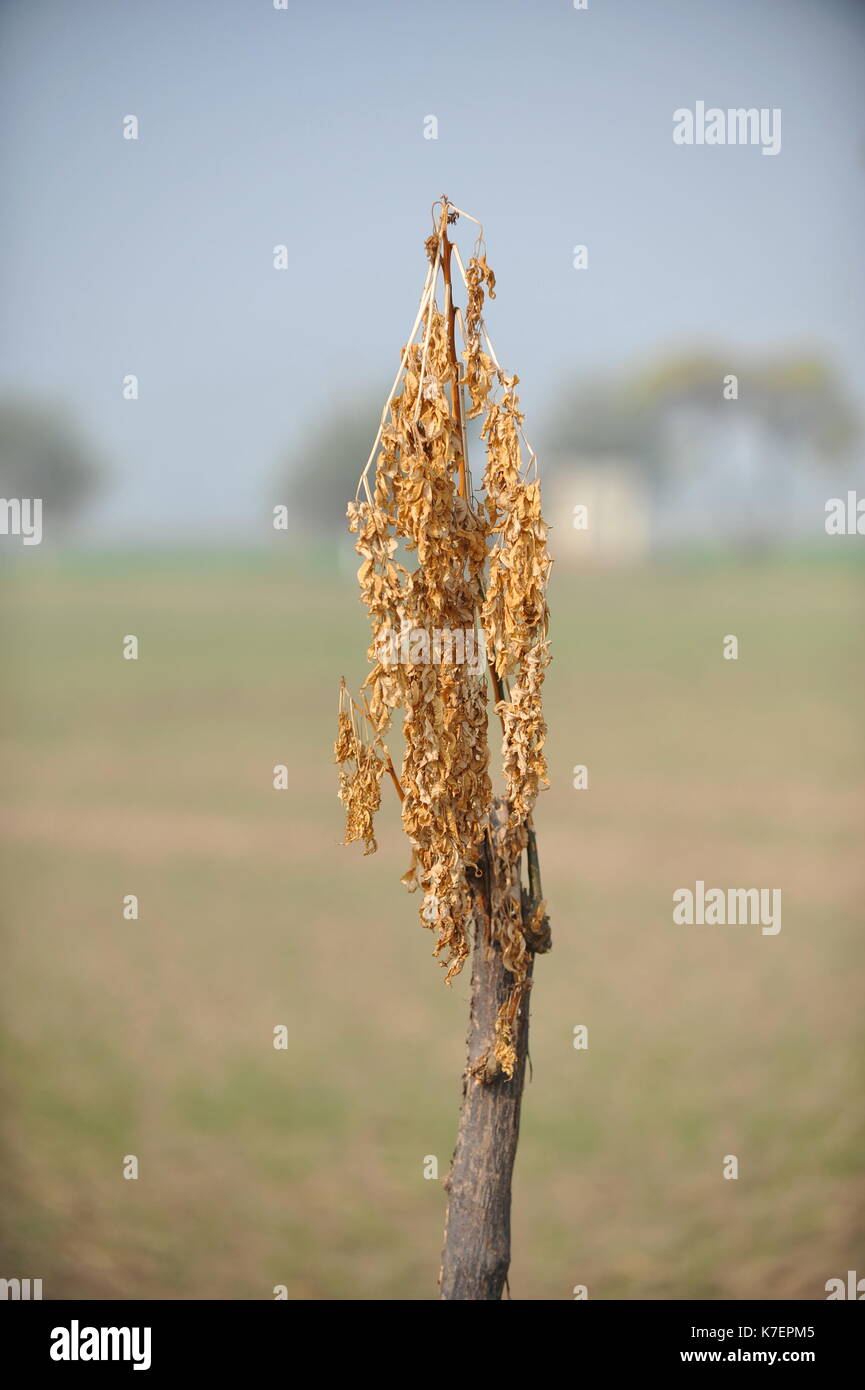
450 311
429 288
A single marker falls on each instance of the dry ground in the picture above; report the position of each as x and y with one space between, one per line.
305 1167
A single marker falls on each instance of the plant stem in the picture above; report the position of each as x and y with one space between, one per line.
477 1241
450 310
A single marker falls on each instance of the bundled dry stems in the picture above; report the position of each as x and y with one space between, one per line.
435 557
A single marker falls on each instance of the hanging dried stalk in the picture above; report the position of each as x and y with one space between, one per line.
448 577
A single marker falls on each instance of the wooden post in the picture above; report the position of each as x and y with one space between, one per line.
477 1242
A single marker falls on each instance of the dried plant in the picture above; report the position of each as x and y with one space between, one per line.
438 558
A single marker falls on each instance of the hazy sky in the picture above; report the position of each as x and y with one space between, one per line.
305 127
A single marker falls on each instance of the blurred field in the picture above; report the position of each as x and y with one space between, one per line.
304 1167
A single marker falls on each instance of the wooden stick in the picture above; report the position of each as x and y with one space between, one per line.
477 1241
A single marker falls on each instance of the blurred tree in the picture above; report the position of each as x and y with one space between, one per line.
43 455
598 416
326 469
795 398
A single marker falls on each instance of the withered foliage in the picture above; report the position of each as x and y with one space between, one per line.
360 773
436 556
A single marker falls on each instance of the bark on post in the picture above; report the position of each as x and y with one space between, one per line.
477 1242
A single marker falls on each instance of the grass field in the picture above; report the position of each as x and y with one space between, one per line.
305 1167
